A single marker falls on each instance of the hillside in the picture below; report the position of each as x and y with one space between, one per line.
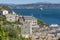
4 7
30 6
38 6
34 6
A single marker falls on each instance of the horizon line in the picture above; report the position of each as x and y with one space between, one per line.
30 3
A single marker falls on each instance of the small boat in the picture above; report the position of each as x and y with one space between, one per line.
41 8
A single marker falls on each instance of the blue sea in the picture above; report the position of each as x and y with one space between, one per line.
48 15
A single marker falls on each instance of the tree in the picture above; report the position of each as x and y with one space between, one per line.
3 35
40 22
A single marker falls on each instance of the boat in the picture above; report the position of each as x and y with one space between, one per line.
41 8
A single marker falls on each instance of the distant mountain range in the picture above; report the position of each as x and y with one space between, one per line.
32 6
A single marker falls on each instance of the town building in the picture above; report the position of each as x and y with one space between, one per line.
11 17
3 12
25 30
54 25
11 12
29 22
44 36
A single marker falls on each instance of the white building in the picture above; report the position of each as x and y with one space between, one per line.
11 17
13 12
29 23
32 20
54 25
5 12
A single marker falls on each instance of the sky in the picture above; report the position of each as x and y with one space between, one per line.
28 1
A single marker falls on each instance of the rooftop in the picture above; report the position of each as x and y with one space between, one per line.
29 17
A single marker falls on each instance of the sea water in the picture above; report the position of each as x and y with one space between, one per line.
48 15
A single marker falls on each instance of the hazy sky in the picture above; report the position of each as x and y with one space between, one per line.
28 1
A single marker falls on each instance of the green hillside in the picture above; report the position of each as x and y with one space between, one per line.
4 7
